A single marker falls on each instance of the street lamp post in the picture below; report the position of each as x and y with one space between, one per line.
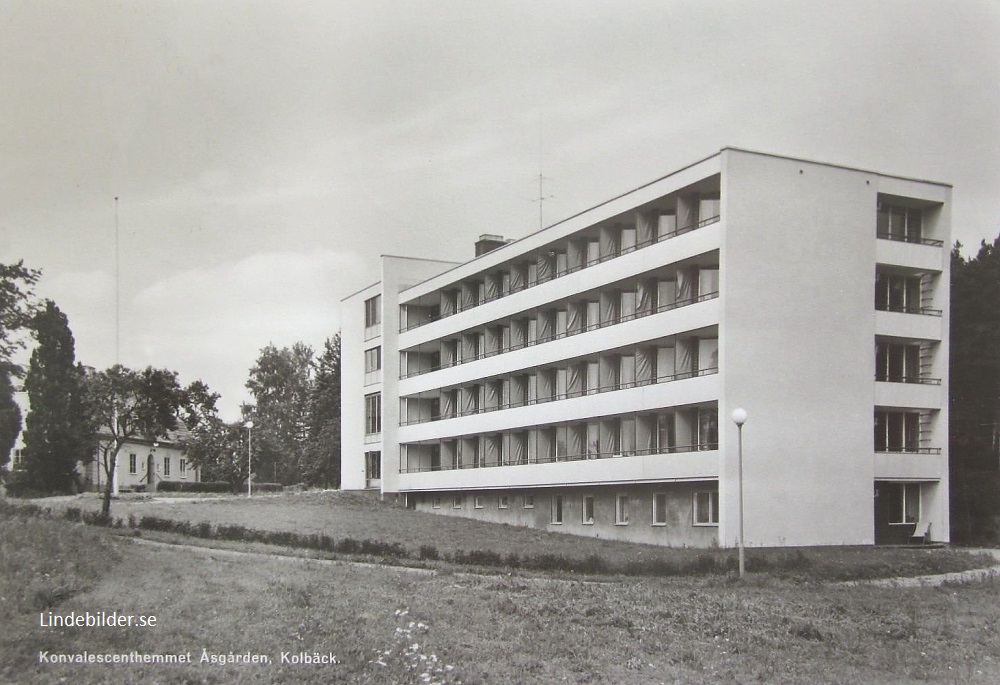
249 425
739 418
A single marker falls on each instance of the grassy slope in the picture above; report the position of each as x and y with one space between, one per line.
489 629
360 516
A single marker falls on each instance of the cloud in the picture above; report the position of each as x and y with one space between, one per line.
210 323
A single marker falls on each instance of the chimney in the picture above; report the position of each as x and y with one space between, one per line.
488 242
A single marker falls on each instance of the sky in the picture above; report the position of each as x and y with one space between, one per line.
265 153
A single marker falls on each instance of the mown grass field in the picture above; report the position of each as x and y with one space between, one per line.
360 516
396 625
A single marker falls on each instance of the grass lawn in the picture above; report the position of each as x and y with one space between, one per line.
393 625
361 516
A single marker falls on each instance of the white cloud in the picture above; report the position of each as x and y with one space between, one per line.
210 323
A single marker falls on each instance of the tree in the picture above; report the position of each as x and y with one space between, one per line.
974 391
17 308
281 383
321 458
57 433
125 404
219 449
10 420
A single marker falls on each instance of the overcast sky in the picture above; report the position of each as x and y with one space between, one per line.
266 153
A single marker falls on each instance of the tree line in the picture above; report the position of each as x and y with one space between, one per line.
80 415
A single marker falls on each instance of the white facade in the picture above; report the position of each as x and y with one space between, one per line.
581 379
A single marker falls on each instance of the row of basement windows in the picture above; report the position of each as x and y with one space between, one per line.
643 298
673 359
569 255
133 465
705 506
667 431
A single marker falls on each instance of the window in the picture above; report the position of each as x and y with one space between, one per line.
373 359
477 502
588 510
436 502
660 509
503 502
373 311
456 502
184 467
621 510
166 466
708 428
904 503
897 431
897 363
373 413
529 501
556 514
899 223
18 459
373 465
706 508
897 293
132 464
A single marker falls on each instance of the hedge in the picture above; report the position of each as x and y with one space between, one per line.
207 486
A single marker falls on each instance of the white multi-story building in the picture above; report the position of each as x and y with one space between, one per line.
582 379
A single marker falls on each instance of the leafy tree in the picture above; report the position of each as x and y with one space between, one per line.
57 433
281 383
219 449
975 392
126 404
17 308
10 420
321 458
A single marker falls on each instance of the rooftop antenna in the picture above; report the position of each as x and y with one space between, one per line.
542 197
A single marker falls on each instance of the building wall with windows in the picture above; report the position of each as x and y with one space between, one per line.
603 356
143 465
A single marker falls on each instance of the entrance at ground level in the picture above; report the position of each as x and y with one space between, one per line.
149 470
897 511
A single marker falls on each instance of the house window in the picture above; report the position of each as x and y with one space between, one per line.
896 362
373 359
529 501
183 466
899 223
373 413
373 465
706 508
373 311
18 459
503 502
478 502
436 502
132 464
621 510
556 514
904 503
166 466
588 510
708 428
897 293
660 509
456 502
897 431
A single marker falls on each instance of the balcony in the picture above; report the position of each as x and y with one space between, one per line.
428 315
559 336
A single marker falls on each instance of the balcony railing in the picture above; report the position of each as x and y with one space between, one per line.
926 311
571 457
910 239
565 395
563 272
907 450
921 380
558 336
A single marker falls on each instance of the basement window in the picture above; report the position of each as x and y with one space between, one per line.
660 509
706 508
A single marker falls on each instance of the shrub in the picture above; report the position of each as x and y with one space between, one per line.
268 487
206 486
429 552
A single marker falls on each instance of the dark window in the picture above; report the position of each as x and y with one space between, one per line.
373 311
373 413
